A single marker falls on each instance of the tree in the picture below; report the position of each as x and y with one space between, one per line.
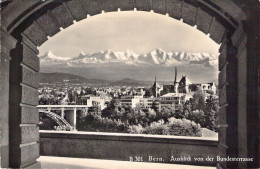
211 113
113 109
198 101
70 96
198 116
46 123
166 112
199 111
155 106
81 93
89 90
210 92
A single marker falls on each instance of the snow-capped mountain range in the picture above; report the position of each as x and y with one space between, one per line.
156 57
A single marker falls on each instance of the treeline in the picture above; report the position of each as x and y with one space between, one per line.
188 120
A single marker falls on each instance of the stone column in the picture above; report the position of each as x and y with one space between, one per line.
248 43
246 39
228 81
0 151
62 112
7 44
24 117
75 117
239 39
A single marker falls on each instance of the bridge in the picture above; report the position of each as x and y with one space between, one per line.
68 115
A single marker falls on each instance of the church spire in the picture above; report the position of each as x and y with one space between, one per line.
175 80
155 79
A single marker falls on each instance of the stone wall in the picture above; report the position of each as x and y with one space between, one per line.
23 99
115 146
7 44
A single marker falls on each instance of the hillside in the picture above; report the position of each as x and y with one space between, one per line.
66 77
126 81
56 77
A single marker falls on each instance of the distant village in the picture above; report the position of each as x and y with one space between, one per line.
157 96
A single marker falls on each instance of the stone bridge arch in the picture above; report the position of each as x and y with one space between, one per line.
28 24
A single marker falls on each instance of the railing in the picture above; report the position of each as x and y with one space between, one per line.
136 147
62 107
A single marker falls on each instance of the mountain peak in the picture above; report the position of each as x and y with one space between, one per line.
50 59
108 51
160 50
49 52
157 57
129 50
82 53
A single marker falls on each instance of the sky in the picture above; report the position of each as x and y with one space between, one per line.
139 31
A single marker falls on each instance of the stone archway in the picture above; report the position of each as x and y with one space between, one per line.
27 24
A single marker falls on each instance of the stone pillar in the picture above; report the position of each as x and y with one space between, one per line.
239 39
62 112
24 117
248 42
246 39
228 129
75 117
86 111
7 44
0 150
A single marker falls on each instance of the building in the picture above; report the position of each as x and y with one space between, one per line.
176 94
174 100
149 102
204 87
156 89
182 86
131 101
92 100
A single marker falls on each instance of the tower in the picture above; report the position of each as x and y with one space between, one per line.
175 80
156 88
155 84
176 84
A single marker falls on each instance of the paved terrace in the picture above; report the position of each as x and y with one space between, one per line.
65 149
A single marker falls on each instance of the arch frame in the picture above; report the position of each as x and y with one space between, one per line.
231 24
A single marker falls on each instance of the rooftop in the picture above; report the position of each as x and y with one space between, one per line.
173 95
